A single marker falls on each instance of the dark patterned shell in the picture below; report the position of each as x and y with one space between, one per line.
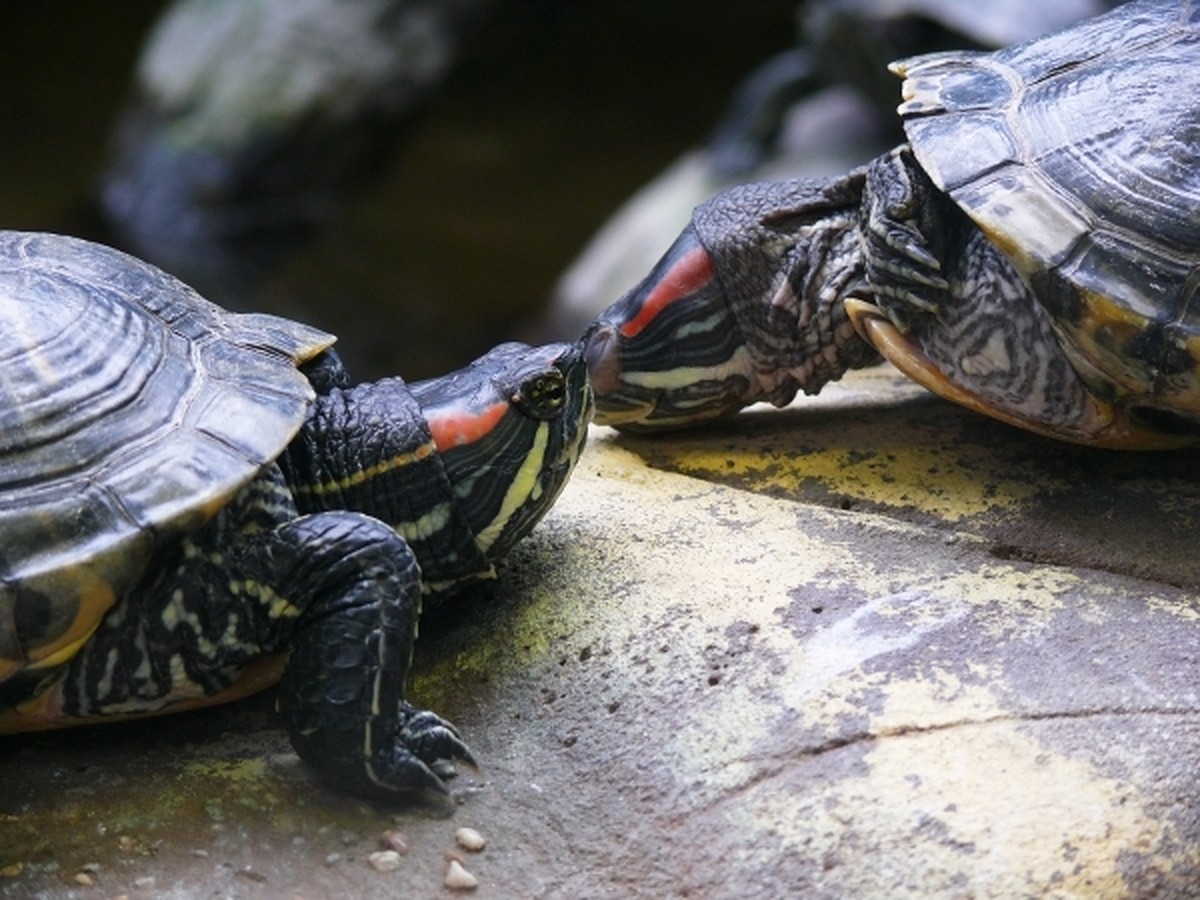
129 407
1078 154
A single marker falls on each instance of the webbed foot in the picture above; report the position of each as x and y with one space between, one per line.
387 756
354 595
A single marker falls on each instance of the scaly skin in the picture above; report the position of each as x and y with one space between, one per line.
390 493
1029 253
782 287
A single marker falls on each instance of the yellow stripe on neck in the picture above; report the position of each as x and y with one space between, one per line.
525 487
354 479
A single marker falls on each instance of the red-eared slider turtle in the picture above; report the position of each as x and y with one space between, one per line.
1032 252
188 496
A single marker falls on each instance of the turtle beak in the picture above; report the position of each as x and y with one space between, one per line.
669 352
602 353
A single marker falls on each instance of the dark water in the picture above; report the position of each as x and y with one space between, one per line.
535 139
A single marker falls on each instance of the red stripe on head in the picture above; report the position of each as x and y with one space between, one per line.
452 427
690 273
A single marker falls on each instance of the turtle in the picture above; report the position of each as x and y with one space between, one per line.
812 110
1032 252
196 504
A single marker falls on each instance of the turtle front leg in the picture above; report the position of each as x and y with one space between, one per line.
904 235
340 590
349 587
953 313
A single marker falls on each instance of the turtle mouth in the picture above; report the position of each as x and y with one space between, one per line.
617 402
639 389
580 408
602 354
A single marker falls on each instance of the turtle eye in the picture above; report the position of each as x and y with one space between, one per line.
542 395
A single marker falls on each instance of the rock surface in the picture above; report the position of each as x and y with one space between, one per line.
870 646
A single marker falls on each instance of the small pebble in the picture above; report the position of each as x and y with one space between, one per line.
458 878
250 875
84 879
394 839
384 860
91 868
470 839
145 883
333 859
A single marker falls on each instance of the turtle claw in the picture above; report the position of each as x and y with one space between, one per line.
903 268
410 753
906 244
422 754
430 738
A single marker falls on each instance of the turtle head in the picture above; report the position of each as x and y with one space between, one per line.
747 305
670 351
509 428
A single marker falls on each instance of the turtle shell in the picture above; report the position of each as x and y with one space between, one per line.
1078 154
130 409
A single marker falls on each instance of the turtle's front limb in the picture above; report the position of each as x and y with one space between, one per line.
905 233
350 587
949 310
340 590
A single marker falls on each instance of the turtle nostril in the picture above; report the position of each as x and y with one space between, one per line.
602 354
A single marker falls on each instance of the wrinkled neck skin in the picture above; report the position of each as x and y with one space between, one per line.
746 306
462 466
369 449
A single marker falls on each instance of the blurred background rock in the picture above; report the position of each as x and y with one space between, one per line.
419 176
438 223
